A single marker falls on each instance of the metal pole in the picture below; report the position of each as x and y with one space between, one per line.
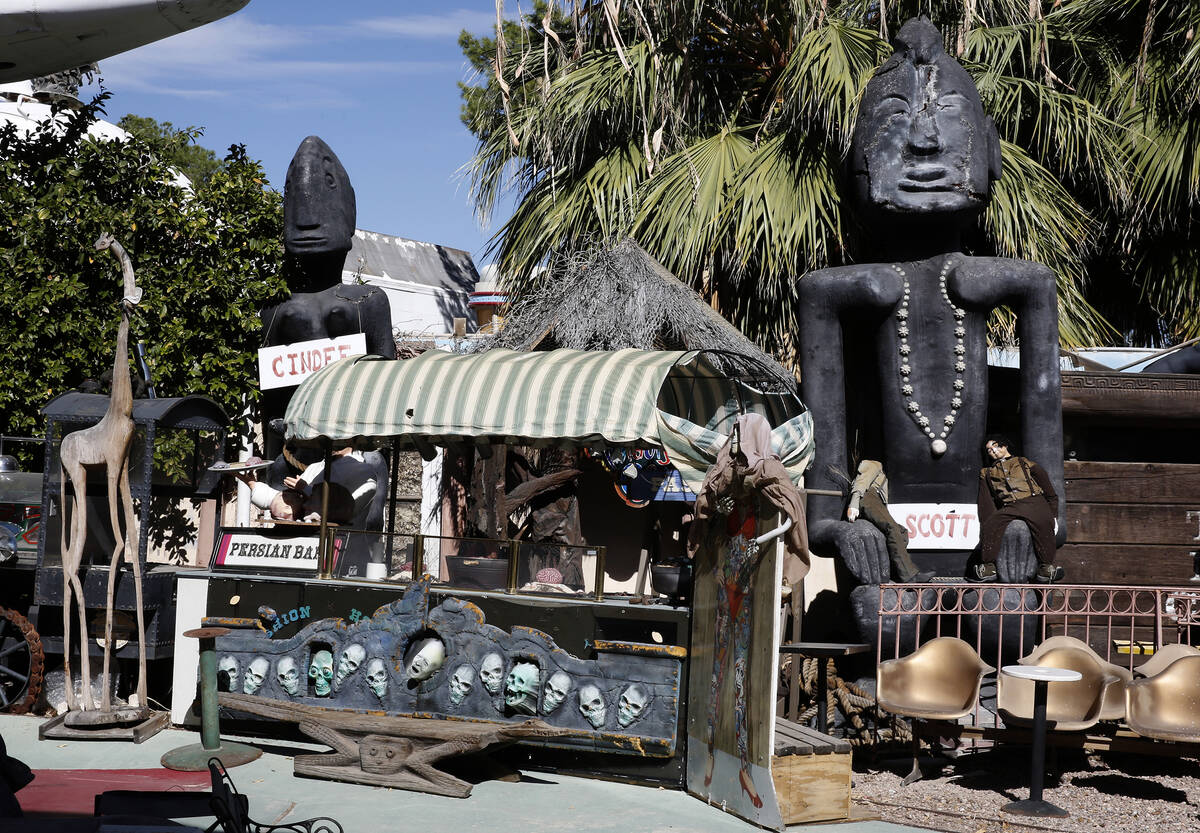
325 553
210 730
1038 768
514 549
598 590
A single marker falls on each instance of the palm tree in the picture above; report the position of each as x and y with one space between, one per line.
714 132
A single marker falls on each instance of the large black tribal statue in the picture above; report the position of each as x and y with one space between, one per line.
319 215
894 349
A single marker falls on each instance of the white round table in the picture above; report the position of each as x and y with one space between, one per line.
1042 676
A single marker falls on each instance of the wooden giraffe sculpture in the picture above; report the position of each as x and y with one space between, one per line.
104 444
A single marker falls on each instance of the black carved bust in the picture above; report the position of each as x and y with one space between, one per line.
319 216
894 350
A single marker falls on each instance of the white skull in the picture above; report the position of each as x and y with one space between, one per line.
288 674
492 673
461 683
555 691
256 672
429 658
377 678
352 657
228 667
591 705
521 687
632 704
321 672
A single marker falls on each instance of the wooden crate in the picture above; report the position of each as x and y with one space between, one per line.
811 772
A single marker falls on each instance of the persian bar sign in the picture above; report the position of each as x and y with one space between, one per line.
938 526
287 365
271 551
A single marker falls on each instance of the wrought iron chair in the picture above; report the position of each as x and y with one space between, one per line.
1071 707
938 681
1164 657
232 810
1167 705
1113 707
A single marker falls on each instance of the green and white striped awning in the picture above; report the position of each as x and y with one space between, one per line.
560 397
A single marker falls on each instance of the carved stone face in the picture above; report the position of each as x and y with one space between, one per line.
521 687
352 657
632 704
591 705
256 673
491 671
922 142
428 660
321 672
377 678
319 210
288 674
461 683
555 691
227 673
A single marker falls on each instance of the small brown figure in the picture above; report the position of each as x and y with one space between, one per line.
1015 489
868 500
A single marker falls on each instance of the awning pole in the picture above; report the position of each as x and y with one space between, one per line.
326 554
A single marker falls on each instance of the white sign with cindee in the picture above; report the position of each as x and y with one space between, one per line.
287 365
938 526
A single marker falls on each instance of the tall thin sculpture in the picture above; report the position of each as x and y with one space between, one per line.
104 444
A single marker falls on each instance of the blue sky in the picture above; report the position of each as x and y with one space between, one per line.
375 79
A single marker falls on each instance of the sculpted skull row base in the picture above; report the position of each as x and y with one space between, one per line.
520 688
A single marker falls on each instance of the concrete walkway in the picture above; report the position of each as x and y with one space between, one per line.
540 802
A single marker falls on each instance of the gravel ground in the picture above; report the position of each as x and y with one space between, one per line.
1102 792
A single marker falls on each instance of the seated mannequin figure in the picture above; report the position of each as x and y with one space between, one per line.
319 215
868 499
1014 489
894 350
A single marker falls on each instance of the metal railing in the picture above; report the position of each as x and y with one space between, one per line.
485 563
1126 620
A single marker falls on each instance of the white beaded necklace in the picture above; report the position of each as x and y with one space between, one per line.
938 440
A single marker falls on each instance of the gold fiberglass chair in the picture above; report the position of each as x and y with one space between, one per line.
1113 707
1167 705
1070 707
1164 656
938 681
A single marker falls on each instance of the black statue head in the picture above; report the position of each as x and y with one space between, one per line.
922 143
318 202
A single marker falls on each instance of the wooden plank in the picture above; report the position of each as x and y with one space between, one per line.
824 742
1148 398
1136 564
1131 523
412 727
1161 483
788 741
812 788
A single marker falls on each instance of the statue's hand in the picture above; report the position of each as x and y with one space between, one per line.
861 547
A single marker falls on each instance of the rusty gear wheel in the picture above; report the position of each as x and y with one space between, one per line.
21 663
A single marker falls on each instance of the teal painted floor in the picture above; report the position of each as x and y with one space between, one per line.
540 802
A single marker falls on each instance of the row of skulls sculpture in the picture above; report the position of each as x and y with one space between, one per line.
520 687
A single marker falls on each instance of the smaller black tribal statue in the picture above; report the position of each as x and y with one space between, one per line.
319 215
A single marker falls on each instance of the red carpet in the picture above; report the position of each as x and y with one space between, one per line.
64 792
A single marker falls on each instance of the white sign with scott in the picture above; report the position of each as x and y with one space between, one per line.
938 526
287 365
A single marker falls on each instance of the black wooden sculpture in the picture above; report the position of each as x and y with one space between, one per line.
319 215
894 350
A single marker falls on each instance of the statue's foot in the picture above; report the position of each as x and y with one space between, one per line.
1050 573
748 789
981 572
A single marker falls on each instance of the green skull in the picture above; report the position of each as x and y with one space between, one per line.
321 672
